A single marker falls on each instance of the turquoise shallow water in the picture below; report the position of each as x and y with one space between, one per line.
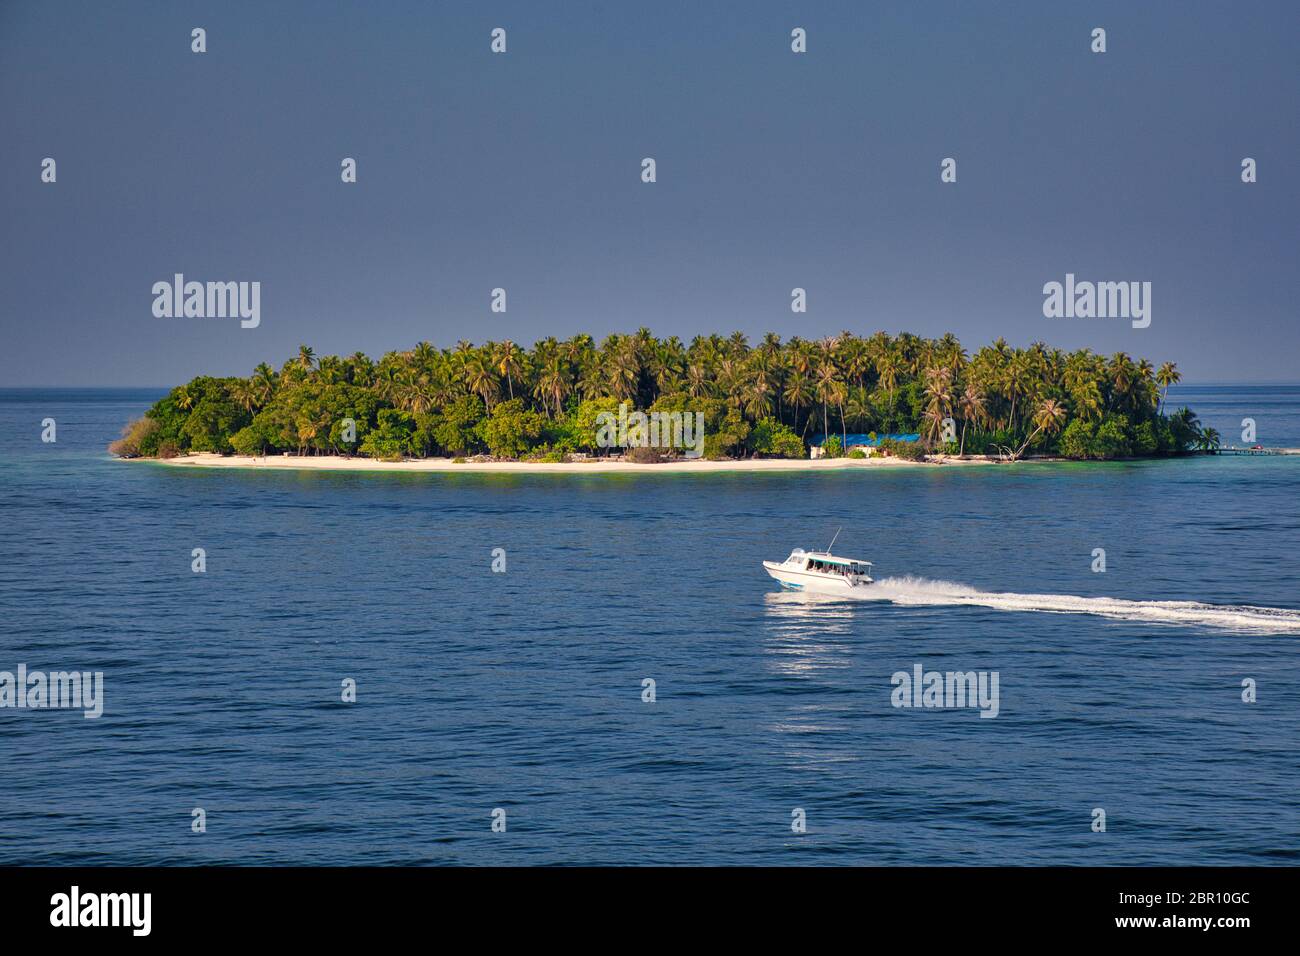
523 690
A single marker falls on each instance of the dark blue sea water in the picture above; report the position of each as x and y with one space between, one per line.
522 690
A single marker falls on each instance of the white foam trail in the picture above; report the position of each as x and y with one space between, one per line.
921 591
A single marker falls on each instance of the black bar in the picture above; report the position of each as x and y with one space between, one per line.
945 905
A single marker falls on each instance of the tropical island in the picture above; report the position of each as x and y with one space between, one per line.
774 400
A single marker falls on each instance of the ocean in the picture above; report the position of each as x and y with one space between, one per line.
524 690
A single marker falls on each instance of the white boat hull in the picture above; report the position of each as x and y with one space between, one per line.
796 579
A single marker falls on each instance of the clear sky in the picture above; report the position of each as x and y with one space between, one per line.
775 170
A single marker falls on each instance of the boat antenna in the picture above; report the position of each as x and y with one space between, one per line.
831 546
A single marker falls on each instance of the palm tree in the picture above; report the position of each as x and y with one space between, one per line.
951 353
932 420
872 382
1051 416
423 354
244 393
972 410
481 379
1123 375
1186 427
855 359
938 399
738 345
1166 376
623 370
507 363
1146 394
758 399
388 382
1015 382
330 370
730 381
1209 440
1087 400
888 366
798 395
667 365
264 383
361 371
857 407
829 391
415 394
591 379
699 384
553 385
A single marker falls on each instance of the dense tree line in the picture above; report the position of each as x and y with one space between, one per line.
768 398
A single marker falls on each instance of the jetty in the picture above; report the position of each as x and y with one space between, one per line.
1254 450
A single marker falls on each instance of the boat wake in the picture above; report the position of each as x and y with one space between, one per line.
923 591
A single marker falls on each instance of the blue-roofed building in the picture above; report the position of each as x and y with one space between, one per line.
857 440
866 441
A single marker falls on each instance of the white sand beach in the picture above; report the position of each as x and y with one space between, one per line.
591 466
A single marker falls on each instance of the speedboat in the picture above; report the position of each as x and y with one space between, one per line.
820 571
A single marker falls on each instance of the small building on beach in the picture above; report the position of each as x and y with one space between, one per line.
868 444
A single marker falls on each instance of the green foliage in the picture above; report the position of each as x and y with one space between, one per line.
252 440
990 442
211 423
909 450
1145 440
552 456
511 429
1112 438
200 416
588 430
1078 440
1184 430
170 418
760 399
136 436
394 437
771 437
833 447
911 397
726 439
1103 441
857 453
562 434
457 430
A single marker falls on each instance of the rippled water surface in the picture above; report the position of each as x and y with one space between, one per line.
523 690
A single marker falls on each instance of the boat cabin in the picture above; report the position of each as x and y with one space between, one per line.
839 566
823 563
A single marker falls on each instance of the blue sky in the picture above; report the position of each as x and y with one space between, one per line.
521 171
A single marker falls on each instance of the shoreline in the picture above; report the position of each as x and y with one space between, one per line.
594 466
